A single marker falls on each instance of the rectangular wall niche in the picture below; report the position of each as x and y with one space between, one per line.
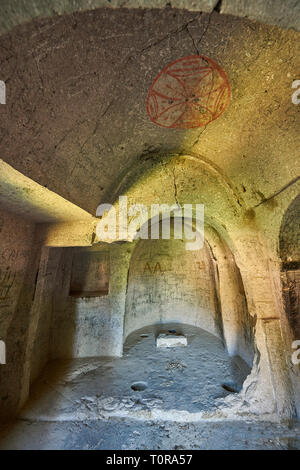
90 274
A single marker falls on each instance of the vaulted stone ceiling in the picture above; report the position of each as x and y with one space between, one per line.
76 120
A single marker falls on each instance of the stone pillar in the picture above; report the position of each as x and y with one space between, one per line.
268 388
236 321
40 313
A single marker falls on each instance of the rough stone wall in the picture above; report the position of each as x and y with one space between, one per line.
16 236
290 269
50 66
91 326
168 283
284 14
290 281
93 69
43 310
290 233
18 268
237 322
291 297
245 322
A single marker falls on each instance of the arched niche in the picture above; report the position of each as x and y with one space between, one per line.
238 325
168 283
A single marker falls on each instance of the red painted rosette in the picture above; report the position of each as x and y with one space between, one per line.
188 93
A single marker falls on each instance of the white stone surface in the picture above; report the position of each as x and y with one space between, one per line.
2 353
170 341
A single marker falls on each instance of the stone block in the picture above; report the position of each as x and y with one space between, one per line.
170 341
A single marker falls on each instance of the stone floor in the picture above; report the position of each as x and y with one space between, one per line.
148 399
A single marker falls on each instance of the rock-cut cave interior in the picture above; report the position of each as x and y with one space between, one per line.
149 224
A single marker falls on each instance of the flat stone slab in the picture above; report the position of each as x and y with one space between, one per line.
170 341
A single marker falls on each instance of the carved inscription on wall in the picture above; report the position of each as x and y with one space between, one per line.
152 268
11 261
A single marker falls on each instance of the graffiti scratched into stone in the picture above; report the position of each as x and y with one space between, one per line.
188 93
152 270
7 279
10 255
200 264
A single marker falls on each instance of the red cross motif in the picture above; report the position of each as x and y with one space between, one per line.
188 93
